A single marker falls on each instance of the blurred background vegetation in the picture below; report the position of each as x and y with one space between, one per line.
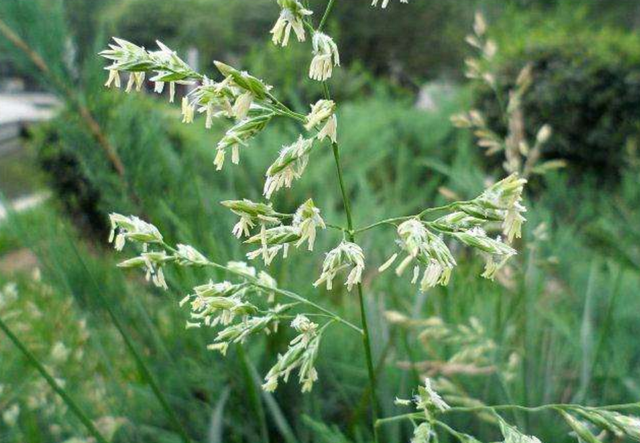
567 308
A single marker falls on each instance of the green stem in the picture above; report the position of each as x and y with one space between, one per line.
394 220
292 295
77 411
281 107
345 197
459 435
329 225
530 409
326 15
366 342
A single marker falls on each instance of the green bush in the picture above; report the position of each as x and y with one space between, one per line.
61 165
586 85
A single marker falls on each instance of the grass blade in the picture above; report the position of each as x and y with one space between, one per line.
272 405
253 393
217 418
586 334
145 373
77 411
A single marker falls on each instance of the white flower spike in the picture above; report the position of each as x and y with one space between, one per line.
289 166
302 353
325 57
307 220
131 228
291 18
345 255
425 249
114 79
251 214
238 135
272 241
385 3
501 202
428 399
323 113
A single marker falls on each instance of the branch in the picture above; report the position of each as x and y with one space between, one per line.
447 368
292 295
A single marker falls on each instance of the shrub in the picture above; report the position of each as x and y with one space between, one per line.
79 196
586 86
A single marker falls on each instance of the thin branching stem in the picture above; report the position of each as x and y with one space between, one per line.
460 436
393 221
325 16
73 406
328 225
276 105
366 341
529 409
285 109
292 295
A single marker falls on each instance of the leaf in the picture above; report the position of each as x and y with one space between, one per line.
325 433
217 418
274 409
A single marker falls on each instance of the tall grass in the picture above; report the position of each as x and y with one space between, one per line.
567 308
568 311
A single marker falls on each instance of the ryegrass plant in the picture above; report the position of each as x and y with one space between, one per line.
466 297
252 296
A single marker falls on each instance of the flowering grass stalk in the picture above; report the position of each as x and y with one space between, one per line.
250 102
520 155
582 420
249 302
